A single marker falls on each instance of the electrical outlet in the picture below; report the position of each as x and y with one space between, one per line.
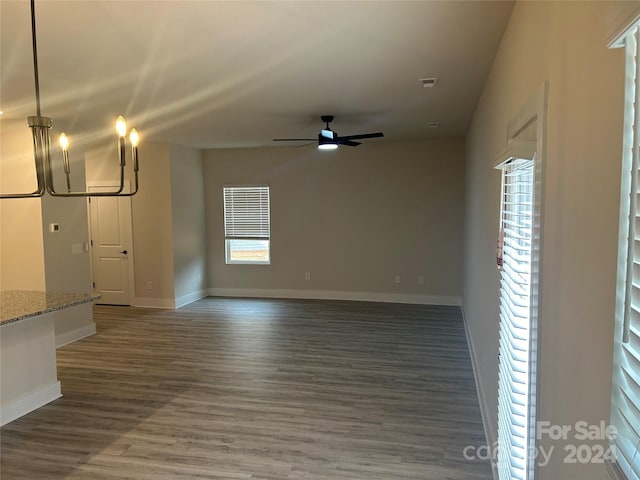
421 280
397 279
307 275
149 285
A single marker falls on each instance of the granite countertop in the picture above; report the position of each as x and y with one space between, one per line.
16 305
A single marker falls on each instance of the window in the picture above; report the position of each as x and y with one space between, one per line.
625 395
516 374
247 228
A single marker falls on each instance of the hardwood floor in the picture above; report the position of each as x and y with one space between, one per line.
258 389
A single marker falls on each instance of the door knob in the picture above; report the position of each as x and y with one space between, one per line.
124 252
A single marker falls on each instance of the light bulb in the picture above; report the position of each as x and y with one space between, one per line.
64 142
121 126
134 138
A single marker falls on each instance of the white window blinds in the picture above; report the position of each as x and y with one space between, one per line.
625 397
514 376
246 212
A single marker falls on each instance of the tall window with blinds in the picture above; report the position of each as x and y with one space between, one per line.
625 396
247 225
516 361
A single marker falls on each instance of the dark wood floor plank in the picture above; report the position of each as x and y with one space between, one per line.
253 389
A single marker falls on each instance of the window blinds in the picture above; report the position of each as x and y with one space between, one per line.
246 212
625 397
515 327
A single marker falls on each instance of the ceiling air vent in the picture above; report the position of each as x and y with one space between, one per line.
429 82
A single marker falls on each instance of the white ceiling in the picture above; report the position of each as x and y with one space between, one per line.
217 74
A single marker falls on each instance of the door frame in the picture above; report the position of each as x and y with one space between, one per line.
107 184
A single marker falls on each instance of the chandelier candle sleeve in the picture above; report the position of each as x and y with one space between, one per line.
64 145
134 138
121 129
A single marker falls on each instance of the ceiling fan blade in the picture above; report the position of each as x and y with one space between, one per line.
294 139
351 143
363 135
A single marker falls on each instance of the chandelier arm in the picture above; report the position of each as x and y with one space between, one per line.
115 193
136 168
34 194
135 189
51 186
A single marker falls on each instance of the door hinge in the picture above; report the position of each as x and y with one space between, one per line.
94 284
91 242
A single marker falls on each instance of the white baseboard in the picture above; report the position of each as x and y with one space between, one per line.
190 298
28 403
337 295
484 413
154 303
75 335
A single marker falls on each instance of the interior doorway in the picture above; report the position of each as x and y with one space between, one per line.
110 228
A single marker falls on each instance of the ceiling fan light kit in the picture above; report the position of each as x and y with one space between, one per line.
327 146
40 126
330 140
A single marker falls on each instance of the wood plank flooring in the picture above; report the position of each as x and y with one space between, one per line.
258 389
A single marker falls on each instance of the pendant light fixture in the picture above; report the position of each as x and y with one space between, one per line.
40 126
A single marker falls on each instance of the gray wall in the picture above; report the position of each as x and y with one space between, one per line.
152 231
188 214
66 271
354 218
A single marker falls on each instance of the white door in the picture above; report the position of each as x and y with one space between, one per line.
111 247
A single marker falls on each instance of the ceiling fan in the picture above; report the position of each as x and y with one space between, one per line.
329 140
